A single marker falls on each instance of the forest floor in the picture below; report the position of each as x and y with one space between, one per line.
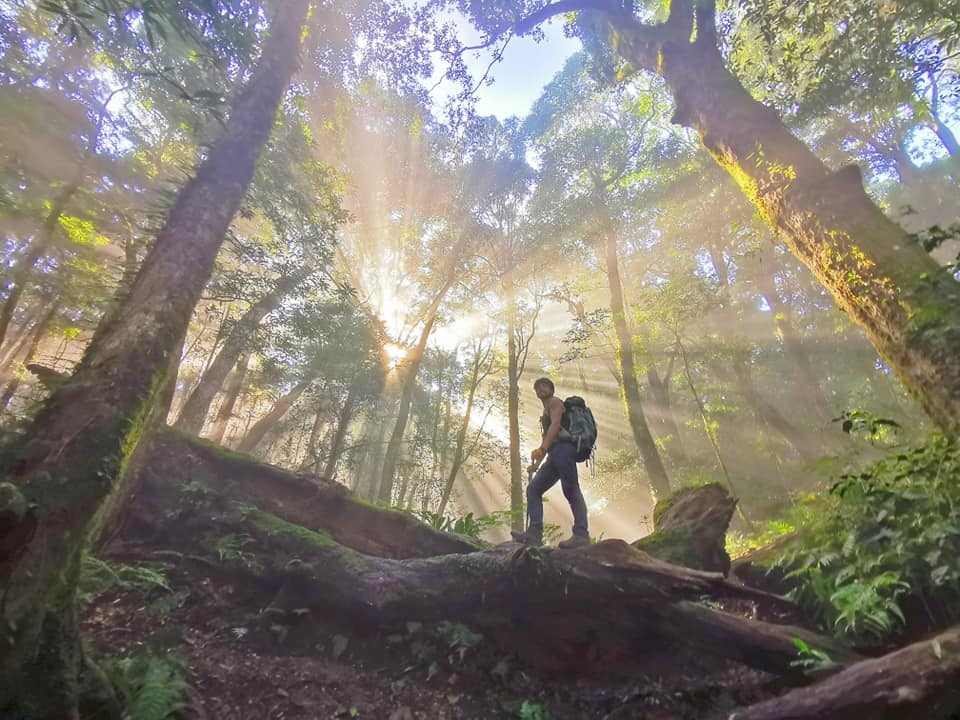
245 664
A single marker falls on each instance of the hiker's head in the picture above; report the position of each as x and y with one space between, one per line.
543 387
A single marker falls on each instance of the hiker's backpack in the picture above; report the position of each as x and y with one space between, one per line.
579 422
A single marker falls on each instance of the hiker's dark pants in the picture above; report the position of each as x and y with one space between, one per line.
561 464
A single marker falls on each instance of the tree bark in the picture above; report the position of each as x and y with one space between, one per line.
72 466
197 405
519 592
261 427
230 394
657 480
919 681
305 500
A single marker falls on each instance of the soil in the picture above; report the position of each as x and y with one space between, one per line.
246 664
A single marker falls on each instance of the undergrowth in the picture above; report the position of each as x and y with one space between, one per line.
150 686
97 576
883 544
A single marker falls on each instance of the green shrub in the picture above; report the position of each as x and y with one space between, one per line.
884 537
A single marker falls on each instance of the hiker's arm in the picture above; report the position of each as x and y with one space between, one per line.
556 412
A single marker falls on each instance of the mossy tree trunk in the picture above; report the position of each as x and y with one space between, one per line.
73 464
907 304
903 300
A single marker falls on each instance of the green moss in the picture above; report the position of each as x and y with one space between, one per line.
273 525
672 545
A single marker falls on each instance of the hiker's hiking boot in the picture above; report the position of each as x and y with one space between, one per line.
574 542
529 537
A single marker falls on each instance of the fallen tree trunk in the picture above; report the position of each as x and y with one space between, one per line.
308 500
919 681
556 608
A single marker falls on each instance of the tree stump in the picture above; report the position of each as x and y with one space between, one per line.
690 529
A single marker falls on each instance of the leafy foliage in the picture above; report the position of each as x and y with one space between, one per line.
151 687
98 576
884 537
467 524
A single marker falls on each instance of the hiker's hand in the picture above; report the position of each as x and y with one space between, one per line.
537 455
531 469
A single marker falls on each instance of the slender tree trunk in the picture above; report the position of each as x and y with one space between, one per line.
878 275
392 456
513 420
343 424
195 409
261 427
772 418
476 377
809 385
230 394
630 388
663 410
38 334
37 249
72 467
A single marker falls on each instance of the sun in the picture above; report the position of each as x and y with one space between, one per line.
395 354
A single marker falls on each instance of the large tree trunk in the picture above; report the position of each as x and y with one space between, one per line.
197 405
878 275
72 466
513 591
261 427
919 681
630 389
305 500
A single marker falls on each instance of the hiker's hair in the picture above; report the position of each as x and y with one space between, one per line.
544 381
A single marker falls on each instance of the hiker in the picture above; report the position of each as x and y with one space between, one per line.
561 464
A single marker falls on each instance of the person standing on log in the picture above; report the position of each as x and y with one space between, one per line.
561 464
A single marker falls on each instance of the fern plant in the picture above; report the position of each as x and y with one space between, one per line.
151 687
97 576
883 538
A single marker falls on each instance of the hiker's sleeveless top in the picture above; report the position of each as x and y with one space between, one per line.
545 425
